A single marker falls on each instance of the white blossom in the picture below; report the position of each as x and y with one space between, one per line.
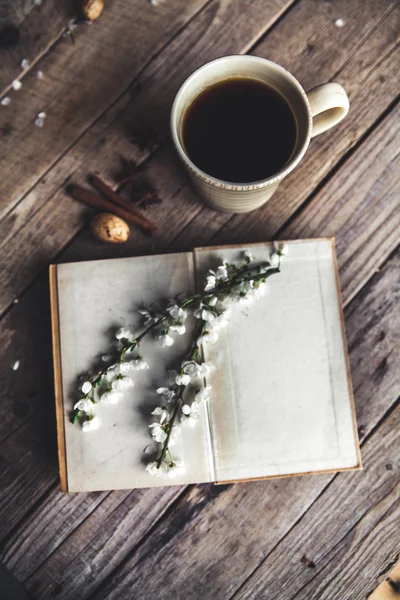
158 433
191 368
203 395
139 364
222 321
122 383
16 84
260 290
165 393
124 333
111 373
15 365
5 101
84 405
222 273
340 23
191 414
156 471
125 367
39 74
86 387
204 314
213 301
182 379
25 64
91 424
111 397
208 337
166 340
280 249
149 317
205 369
176 469
39 122
177 313
162 413
274 259
180 329
211 281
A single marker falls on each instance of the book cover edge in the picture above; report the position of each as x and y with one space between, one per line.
55 333
347 358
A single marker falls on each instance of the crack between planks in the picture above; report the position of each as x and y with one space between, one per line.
168 510
109 107
52 44
271 26
336 168
339 541
375 26
31 510
387 414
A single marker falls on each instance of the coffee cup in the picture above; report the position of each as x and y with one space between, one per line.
314 112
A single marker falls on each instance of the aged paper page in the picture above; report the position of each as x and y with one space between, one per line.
281 398
95 299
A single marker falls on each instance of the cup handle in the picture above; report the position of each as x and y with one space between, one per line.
329 105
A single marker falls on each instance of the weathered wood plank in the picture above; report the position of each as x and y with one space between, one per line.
370 71
160 81
20 394
39 26
75 92
247 521
202 525
121 518
216 30
347 537
360 205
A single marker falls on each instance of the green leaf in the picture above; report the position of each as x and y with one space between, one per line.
76 415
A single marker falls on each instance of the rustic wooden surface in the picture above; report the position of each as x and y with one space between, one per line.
107 95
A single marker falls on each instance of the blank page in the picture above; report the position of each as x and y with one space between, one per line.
281 395
94 299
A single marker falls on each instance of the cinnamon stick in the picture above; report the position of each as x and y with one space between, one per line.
114 197
92 199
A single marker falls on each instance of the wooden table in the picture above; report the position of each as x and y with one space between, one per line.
108 95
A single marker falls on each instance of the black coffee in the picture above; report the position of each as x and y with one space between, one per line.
239 130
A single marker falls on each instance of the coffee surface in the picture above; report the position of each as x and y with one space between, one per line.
240 130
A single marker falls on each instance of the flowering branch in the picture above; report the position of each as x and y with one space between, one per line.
228 284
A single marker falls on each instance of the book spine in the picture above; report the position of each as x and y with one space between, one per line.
55 332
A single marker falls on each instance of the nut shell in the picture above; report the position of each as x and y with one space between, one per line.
109 228
92 9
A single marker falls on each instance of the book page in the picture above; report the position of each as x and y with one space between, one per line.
281 397
95 299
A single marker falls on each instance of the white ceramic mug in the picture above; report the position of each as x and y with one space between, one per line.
315 111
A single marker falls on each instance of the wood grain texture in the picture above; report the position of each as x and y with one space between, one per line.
360 206
370 70
31 393
370 333
89 523
74 92
208 522
158 85
372 66
389 588
218 29
39 27
347 535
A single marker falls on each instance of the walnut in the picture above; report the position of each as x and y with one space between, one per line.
92 9
109 228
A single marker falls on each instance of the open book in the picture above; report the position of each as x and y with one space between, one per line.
281 401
